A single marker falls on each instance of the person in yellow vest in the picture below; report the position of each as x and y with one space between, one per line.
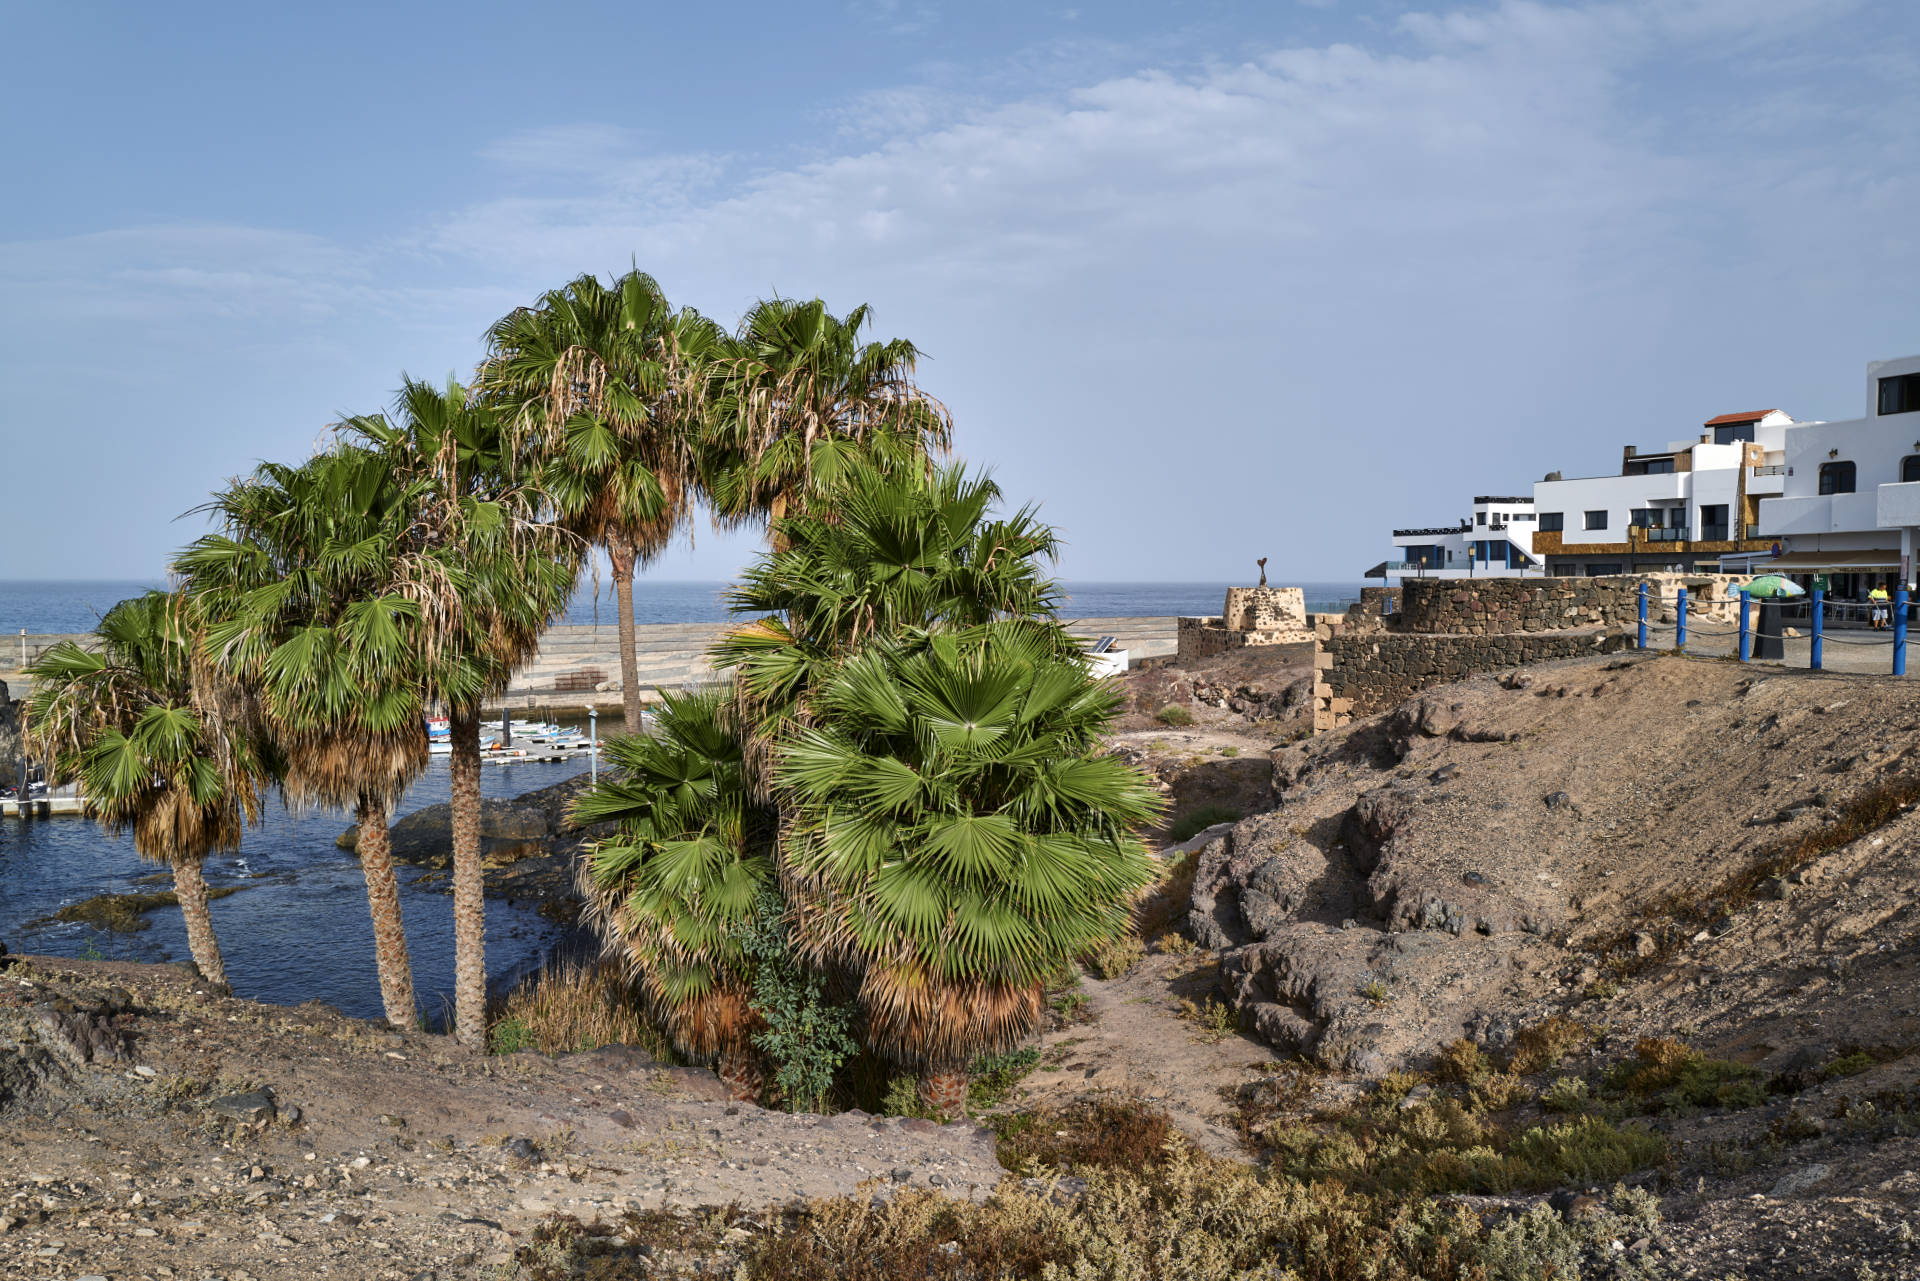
1878 598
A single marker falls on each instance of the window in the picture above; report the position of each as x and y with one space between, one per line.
1900 395
1648 467
1552 522
1523 516
1597 520
1837 478
1713 522
1479 518
1910 468
1601 570
1733 433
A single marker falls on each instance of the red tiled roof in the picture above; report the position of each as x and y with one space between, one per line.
1751 416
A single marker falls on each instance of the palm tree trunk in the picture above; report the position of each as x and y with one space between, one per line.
943 1092
620 553
383 901
469 886
744 1073
190 887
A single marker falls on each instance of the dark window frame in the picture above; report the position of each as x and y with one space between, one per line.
1588 518
1899 394
1553 522
1838 477
1910 468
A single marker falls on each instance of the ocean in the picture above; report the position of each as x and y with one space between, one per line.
43 607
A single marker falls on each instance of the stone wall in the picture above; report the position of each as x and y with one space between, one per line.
1250 616
1369 673
1488 606
1264 609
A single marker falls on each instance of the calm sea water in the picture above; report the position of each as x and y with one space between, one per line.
299 930
75 606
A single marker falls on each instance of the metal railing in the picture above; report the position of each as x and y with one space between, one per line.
1892 616
1772 469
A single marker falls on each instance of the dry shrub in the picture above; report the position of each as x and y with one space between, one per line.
1115 958
573 1007
1667 1075
1542 1045
1187 1217
1462 1062
1109 1132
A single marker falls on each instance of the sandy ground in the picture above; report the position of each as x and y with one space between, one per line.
384 1155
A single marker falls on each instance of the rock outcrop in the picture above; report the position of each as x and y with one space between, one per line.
509 831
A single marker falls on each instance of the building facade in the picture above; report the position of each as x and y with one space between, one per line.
1495 540
1850 502
1680 509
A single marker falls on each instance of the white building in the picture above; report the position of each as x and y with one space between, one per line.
1851 497
1495 541
1679 508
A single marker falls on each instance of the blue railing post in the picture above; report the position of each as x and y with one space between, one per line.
1680 622
1643 613
1819 624
1746 632
1900 632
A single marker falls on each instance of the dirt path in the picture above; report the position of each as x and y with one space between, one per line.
1135 1041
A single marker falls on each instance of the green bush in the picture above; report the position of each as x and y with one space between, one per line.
1666 1076
1196 821
991 1077
806 1038
1174 715
1567 1094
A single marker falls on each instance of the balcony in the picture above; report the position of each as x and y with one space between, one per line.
1657 534
1776 469
1715 534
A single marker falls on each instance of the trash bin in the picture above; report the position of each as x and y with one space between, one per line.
1769 634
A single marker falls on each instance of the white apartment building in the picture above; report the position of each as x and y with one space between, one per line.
1679 508
1851 498
1496 540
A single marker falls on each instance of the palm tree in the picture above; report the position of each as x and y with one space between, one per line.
797 401
124 720
608 378
479 511
955 837
674 890
308 595
898 551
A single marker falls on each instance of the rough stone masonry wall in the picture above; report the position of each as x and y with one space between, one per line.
1365 674
1262 609
1250 616
1487 606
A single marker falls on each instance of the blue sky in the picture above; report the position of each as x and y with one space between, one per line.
1210 281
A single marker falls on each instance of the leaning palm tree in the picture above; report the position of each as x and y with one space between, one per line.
308 595
123 719
673 891
477 507
796 401
955 837
608 379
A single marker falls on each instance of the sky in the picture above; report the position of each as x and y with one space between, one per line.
1208 281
